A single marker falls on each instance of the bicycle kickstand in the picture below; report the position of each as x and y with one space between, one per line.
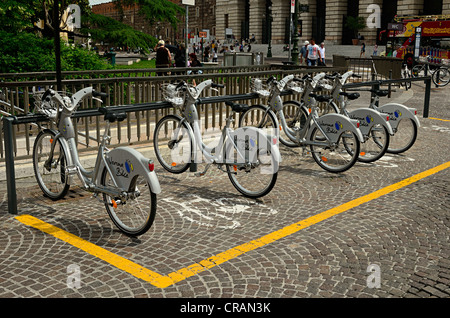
199 174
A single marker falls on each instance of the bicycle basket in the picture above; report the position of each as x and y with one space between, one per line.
48 108
446 62
296 87
423 59
259 87
171 95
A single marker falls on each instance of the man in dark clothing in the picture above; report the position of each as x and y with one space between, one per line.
163 58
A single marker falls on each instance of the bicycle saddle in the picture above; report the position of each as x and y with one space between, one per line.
111 115
238 108
350 96
320 98
379 92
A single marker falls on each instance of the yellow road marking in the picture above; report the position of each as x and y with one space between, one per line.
439 119
162 281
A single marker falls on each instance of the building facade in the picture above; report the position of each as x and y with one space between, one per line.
323 21
269 20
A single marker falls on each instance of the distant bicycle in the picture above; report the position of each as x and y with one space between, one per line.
123 177
332 139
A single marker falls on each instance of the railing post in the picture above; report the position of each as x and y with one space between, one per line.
426 104
9 161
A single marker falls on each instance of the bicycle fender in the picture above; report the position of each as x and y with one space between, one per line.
398 111
368 117
334 125
126 163
257 139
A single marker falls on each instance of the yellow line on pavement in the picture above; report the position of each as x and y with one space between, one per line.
439 119
177 276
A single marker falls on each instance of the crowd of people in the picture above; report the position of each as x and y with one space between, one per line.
168 55
312 54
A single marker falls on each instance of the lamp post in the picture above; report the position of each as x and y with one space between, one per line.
269 26
294 52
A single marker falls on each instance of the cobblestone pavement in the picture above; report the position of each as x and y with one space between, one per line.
405 233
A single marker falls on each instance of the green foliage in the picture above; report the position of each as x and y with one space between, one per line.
26 52
355 24
154 10
102 28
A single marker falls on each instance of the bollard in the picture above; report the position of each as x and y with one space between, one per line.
9 161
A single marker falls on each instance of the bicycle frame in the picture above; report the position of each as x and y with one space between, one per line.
333 122
228 135
368 117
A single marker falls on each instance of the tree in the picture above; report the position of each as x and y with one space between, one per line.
355 24
154 10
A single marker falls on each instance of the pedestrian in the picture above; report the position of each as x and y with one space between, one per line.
322 54
194 62
312 53
215 55
163 57
249 47
375 50
363 50
206 55
303 52
180 57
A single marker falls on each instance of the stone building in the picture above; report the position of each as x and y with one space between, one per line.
270 19
200 17
324 21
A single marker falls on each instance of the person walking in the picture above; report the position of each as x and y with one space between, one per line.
363 50
303 52
322 54
375 50
312 53
163 57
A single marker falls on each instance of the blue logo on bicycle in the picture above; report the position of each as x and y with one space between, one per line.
128 166
338 125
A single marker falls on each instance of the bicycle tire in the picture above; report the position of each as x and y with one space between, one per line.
260 116
295 115
375 145
441 77
406 74
255 182
52 179
398 142
415 71
335 160
136 215
168 141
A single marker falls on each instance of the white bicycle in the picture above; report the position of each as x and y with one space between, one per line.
123 177
248 155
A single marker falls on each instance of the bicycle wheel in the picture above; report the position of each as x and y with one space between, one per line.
441 76
173 144
255 178
136 215
404 137
50 176
337 158
406 74
295 116
260 117
416 70
376 144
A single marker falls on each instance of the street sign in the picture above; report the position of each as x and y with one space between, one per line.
417 43
188 2
202 34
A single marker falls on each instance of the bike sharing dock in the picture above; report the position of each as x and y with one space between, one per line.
316 234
